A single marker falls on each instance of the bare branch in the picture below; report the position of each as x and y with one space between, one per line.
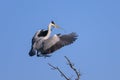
71 65
73 68
56 68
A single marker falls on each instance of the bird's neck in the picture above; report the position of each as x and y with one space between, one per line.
49 32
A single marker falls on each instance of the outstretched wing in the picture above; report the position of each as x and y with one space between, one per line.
64 40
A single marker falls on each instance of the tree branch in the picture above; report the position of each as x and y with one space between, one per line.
71 65
53 67
73 68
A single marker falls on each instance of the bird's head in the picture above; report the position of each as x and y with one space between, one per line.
52 23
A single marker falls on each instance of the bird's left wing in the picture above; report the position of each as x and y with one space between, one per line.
64 40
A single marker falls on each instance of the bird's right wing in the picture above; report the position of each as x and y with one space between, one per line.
32 52
36 34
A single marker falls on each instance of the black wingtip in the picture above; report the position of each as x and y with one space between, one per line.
74 35
31 53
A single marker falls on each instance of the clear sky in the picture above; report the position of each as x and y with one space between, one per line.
96 53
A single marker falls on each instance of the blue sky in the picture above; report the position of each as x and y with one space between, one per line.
96 53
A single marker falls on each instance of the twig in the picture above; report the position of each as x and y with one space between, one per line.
59 71
74 69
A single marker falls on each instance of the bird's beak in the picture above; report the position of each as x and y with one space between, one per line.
56 26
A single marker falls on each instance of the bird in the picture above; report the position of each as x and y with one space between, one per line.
44 34
43 44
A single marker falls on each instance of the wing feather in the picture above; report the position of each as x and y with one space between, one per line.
64 40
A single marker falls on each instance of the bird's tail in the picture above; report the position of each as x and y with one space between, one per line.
32 52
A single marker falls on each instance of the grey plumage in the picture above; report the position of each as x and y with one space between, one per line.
63 41
43 44
45 47
34 40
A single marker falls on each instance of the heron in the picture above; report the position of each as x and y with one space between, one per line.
43 44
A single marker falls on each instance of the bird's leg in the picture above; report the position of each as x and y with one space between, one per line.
38 54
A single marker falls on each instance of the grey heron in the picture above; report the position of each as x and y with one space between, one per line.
43 44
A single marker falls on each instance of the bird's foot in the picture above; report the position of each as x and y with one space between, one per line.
43 55
39 55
